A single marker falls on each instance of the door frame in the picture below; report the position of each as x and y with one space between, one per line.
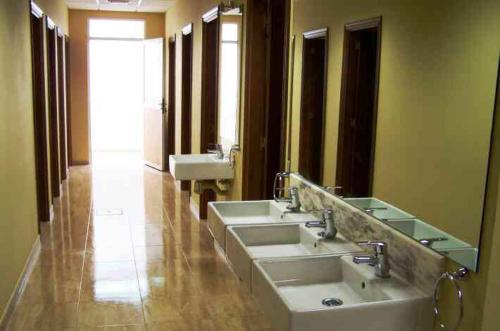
170 121
186 99
51 48
349 28
309 35
37 30
61 84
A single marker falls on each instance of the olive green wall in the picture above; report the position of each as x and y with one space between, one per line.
437 82
18 222
176 17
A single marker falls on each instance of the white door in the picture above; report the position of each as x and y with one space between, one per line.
154 103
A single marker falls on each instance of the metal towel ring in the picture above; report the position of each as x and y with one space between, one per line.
452 277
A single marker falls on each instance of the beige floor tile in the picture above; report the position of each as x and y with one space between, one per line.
44 317
138 327
110 271
110 291
109 313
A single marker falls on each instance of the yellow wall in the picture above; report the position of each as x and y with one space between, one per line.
18 222
437 81
437 86
78 27
57 11
178 16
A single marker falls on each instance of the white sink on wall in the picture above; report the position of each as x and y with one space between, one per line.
246 243
200 167
225 213
291 292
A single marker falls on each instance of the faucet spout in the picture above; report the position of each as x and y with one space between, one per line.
379 259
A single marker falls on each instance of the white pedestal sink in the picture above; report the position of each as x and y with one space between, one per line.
200 167
246 243
225 213
292 292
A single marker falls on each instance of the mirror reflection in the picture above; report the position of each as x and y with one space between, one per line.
397 111
229 75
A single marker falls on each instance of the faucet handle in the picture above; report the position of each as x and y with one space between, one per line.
379 247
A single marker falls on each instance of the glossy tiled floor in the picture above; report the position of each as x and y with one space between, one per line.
124 253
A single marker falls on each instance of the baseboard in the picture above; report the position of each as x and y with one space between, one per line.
21 284
195 210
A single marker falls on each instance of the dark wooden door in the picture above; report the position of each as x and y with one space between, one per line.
312 108
39 117
61 79
265 95
186 98
55 177
209 97
358 112
170 143
277 12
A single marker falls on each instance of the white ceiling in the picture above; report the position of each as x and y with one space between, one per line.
130 5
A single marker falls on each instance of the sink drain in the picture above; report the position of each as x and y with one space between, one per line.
332 302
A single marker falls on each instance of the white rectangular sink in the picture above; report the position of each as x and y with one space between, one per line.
225 213
249 242
292 291
200 167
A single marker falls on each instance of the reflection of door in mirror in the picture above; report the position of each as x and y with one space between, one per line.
312 111
358 109
229 79
186 86
209 94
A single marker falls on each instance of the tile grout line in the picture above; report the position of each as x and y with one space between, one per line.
137 273
83 264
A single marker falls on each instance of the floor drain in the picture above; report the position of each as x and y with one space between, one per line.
332 302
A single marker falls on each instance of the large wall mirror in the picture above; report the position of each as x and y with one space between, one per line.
230 43
401 96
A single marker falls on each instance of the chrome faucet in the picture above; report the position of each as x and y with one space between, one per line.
293 202
429 241
217 151
379 259
327 222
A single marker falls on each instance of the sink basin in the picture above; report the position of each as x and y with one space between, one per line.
225 213
200 167
378 208
246 243
418 229
292 291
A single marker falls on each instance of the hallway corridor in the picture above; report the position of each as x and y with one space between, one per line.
125 253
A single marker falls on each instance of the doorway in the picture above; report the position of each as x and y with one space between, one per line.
170 143
116 75
312 107
209 93
358 107
39 117
186 96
